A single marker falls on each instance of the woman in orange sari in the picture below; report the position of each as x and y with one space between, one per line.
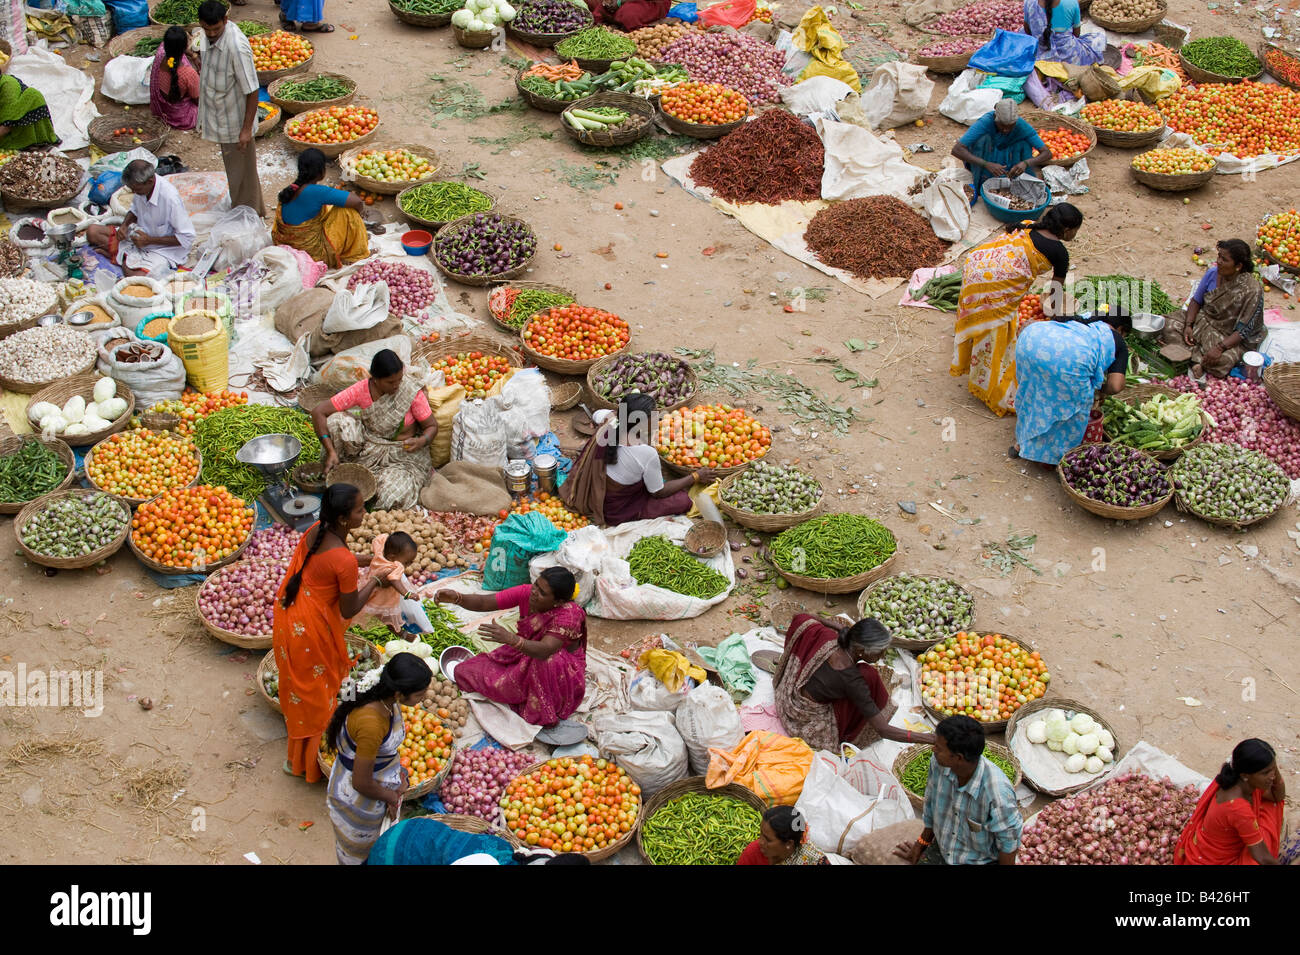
995 277
318 597
1239 818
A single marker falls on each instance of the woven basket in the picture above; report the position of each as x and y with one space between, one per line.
68 563
565 396
450 347
305 477
313 395
539 286
160 421
563 366
1268 259
910 753
429 223
158 568
154 135
1262 52
476 40
639 122
33 387
545 103
705 539
839 585
83 385
717 472
694 784
434 784
699 130
1282 382
16 203
1125 140
199 338
1131 26
12 442
267 77
475 825
1199 75
1166 182
124 43
596 855
294 107
768 523
909 643
357 475
1048 121
133 501
188 26
349 159
330 150
261 641
544 40
947 64
1072 707
271 120
997 726
419 19
1140 393
1110 511
599 401
31 321
1188 508
481 280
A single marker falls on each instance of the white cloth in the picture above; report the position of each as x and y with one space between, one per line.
227 77
67 91
150 260
163 213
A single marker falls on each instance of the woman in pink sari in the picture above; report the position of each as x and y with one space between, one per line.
174 82
541 672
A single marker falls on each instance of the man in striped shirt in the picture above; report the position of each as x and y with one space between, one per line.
228 103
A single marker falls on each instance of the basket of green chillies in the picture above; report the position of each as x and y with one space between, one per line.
300 92
512 312
686 823
142 41
912 768
595 48
834 553
183 13
434 204
31 467
425 13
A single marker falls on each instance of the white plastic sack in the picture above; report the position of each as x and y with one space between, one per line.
965 102
646 692
478 433
126 79
526 407
67 92
283 282
354 311
647 745
815 96
844 799
349 367
583 554
708 718
898 94
237 236
944 203
130 308
150 381
859 164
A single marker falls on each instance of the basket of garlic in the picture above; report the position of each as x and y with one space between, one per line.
23 302
1063 746
37 357
82 410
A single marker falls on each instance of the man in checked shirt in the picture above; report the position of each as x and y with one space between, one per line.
228 103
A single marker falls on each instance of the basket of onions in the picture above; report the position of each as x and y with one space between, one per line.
478 777
236 603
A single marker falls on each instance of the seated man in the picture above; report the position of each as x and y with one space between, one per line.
156 235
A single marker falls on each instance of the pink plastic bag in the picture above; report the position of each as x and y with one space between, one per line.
729 13
308 268
761 718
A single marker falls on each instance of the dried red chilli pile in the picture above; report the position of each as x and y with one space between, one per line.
874 238
770 159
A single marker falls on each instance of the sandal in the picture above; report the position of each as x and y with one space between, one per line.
316 28
1013 452
288 767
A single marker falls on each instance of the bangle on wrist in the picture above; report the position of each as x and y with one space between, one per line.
920 840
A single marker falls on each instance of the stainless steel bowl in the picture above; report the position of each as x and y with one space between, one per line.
271 454
83 317
1148 326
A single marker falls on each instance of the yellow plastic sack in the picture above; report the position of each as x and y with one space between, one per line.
444 402
1056 71
1155 81
816 37
696 491
771 765
671 668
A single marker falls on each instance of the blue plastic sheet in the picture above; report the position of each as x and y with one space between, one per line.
1007 54
686 12
128 14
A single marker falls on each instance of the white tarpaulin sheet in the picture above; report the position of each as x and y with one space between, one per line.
67 93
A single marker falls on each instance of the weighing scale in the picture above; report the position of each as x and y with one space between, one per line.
63 237
274 456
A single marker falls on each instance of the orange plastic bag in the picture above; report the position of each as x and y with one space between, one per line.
773 766
729 13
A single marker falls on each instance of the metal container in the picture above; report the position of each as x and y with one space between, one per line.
544 466
1254 363
1148 326
518 477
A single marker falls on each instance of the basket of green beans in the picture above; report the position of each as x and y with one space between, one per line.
834 553
300 92
434 204
912 768
686 823
425 13
596 48
31 467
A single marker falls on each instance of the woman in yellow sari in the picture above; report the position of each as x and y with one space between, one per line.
995 278
323 222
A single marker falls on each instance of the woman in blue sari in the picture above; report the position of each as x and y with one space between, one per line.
1060 365
1000 144
1058 24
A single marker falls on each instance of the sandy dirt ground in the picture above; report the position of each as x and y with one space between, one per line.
1132 619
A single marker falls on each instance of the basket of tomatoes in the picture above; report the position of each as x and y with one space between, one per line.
191 530
332 129
1278 240
574 804
551 508
986 676
1068 139
703 110
477 363
1124 124
1030 310
719 437
1173 170
278 54
569 339
139 465
427 751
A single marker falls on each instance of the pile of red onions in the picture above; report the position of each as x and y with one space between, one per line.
1245 415
983 17
1127 820
958 47
241 597
739 61
410 290
478 777
276 542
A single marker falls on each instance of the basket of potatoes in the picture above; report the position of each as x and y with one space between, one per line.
1127 16
435 544
444 699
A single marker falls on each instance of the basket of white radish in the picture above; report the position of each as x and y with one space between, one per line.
1063 745
480 21
82 410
